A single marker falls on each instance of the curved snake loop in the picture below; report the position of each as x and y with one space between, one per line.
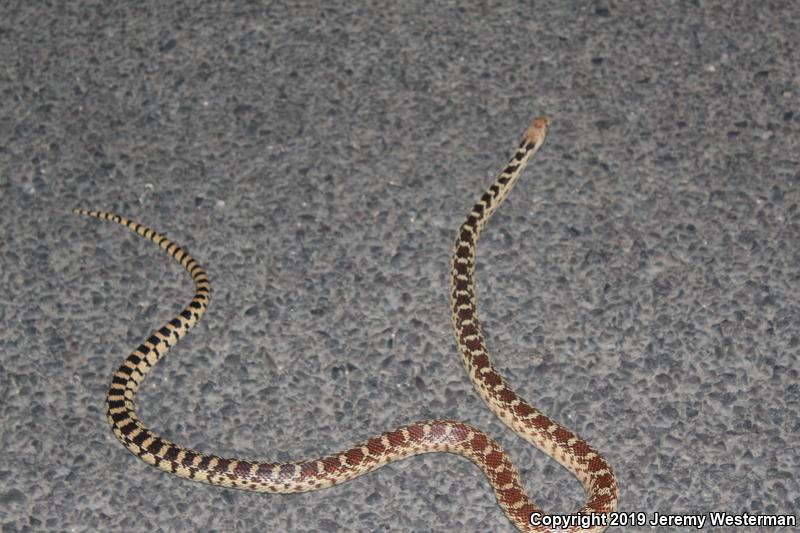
421 437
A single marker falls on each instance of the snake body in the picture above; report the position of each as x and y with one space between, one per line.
451 436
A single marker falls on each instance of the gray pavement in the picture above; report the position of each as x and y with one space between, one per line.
641 285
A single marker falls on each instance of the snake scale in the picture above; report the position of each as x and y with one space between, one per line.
451 436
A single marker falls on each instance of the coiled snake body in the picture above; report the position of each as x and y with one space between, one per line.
421 437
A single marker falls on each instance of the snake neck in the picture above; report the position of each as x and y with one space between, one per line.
462 296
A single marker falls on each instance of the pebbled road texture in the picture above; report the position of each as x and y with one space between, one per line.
641 285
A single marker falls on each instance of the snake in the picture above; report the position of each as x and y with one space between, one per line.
441 435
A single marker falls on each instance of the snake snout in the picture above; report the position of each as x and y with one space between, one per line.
537 130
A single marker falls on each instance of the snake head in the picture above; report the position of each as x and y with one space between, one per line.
537 131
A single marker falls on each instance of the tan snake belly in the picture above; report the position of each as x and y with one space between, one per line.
421 437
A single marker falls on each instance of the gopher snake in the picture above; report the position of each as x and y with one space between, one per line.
421 437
